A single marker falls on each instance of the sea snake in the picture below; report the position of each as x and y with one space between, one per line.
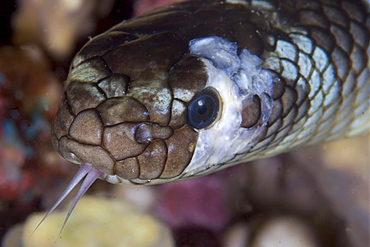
198 86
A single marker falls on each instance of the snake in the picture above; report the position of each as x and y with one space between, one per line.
197 86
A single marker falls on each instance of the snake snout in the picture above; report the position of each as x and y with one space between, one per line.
119 137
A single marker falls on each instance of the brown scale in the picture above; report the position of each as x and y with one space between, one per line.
122 109
251 111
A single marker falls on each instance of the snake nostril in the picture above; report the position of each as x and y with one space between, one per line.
144 134
147 132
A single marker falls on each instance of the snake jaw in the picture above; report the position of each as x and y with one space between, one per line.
88 176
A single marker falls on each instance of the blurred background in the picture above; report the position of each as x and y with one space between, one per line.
317 196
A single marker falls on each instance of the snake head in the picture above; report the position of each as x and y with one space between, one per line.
124 110
155 108
177 118
148 102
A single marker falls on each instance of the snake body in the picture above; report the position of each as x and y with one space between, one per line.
197 86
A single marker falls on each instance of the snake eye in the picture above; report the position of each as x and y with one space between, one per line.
203 108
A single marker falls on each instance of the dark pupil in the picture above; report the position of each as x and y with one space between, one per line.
202 107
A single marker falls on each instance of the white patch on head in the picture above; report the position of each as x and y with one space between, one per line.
161 99
235 77
181 93
223 54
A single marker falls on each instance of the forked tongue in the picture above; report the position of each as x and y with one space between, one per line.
86 173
